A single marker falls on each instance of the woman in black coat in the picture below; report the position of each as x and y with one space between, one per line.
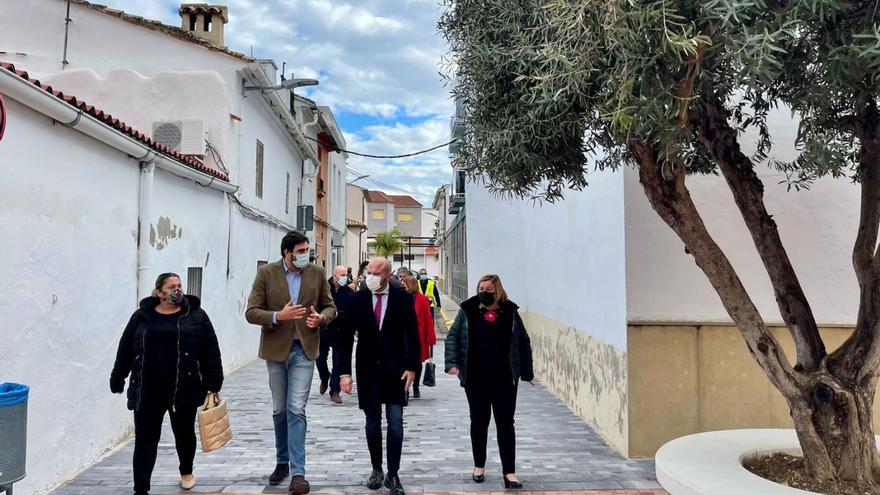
170 351
489 350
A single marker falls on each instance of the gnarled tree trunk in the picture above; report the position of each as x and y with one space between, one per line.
830 396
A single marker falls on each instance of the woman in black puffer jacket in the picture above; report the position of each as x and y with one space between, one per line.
489 350
170 351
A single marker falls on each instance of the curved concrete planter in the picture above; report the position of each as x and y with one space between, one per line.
711 463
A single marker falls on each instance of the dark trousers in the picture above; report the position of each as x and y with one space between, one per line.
327 343
394 416
418 378
483 401
148 430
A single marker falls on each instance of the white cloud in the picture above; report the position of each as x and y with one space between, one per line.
420 175
379 58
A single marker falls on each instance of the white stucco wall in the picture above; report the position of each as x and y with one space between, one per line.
169 72
201 218
142 101
32 32
564 260
69 234
818 228
564 265
68 240
280 157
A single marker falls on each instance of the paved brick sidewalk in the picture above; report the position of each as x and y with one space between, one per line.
555 450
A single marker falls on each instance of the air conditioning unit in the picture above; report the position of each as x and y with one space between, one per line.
185 136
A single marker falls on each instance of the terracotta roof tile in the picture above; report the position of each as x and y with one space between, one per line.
377 197
405 201
114 122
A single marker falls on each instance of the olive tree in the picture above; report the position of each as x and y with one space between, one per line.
555 89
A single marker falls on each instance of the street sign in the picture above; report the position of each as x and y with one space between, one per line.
305 218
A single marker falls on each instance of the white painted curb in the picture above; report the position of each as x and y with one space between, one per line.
711 463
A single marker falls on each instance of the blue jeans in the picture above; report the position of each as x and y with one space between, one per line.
290 382
394 416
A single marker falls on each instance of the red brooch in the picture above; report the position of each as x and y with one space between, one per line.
490 316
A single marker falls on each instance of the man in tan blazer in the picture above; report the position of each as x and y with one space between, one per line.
290 300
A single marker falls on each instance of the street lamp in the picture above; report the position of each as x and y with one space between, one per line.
292 83
357 179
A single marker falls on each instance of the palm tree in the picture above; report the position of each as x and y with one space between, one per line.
387 243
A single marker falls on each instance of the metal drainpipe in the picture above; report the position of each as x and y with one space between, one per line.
144 284
313 238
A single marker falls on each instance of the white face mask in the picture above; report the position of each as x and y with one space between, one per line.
374 282
342 281
301 260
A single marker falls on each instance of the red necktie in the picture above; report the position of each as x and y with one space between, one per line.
377 311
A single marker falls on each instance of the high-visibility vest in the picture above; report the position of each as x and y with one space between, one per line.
429 292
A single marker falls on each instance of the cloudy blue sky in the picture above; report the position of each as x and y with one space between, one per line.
379 63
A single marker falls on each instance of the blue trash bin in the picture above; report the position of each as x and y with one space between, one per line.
13 434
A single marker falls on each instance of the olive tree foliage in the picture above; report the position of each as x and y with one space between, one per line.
550 84
556 89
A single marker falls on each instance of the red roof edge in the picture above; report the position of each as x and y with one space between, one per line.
117 124
405 201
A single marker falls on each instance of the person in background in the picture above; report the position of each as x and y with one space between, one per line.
290 300
341 293
387 359
427 335
428 287
361 282
489 350
400 276
170 351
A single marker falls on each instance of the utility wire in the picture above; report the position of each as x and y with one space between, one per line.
217 158
384 157
380 183
259 216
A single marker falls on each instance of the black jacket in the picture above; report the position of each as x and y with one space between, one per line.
341 298
459 340
199 367
382 356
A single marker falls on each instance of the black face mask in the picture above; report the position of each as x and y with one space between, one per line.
486 298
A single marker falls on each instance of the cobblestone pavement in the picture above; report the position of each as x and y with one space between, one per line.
556 451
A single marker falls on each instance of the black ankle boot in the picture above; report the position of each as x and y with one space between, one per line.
281 471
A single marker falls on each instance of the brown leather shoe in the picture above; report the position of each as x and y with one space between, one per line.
336 398
324 386
299 486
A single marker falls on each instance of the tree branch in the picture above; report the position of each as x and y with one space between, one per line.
864 254
685 92
720 138
859 356
672 201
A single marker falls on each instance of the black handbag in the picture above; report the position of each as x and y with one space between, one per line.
429 378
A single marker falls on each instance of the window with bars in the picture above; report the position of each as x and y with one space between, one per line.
259 184
194 281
